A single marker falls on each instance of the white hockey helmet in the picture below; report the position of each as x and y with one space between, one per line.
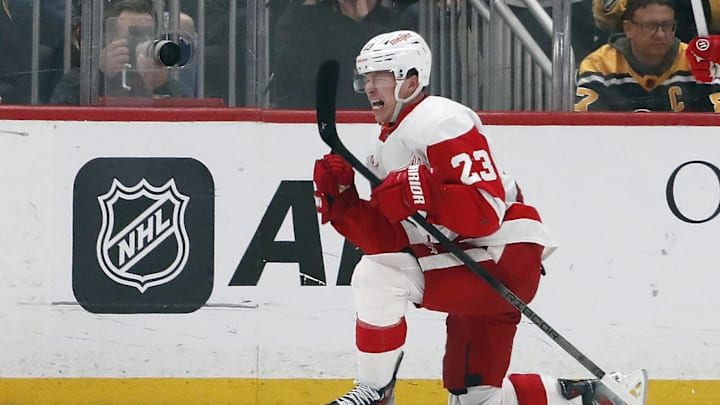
397 52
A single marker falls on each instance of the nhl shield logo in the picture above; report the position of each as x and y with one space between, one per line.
143 241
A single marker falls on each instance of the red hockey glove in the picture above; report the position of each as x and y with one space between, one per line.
704 57
332 175
403 193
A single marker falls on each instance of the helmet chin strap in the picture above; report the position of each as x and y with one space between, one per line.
400 102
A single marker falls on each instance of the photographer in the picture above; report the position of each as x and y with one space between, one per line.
131 63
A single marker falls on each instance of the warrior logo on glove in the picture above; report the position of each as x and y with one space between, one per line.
404 192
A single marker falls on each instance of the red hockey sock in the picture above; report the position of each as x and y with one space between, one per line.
379 339
529 389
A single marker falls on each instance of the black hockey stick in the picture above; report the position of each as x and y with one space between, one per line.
326 90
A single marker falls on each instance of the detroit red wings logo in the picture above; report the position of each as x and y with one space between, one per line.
143 241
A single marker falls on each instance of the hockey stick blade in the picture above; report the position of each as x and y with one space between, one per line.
325 104
325 95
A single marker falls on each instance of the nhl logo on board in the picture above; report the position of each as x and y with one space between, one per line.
143 235
125 246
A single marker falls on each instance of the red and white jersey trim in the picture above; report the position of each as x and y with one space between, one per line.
434 257
445 260
516 231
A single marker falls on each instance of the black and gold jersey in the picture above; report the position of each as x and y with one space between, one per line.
607 82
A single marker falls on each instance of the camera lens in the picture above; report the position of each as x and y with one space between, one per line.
167 53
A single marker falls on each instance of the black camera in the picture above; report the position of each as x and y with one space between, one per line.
167 49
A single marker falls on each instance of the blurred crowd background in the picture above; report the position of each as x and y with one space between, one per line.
488 54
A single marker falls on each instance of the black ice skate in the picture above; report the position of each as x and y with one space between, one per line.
366 395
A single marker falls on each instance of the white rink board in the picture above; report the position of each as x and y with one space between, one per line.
631 285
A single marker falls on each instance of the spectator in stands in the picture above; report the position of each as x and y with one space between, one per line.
608 17
317 30
644 68
146 78
16 31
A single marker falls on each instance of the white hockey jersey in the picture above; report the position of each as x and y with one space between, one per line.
478 204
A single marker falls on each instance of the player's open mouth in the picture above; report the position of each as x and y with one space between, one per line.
377 104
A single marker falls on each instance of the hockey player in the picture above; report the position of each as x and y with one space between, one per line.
436 160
